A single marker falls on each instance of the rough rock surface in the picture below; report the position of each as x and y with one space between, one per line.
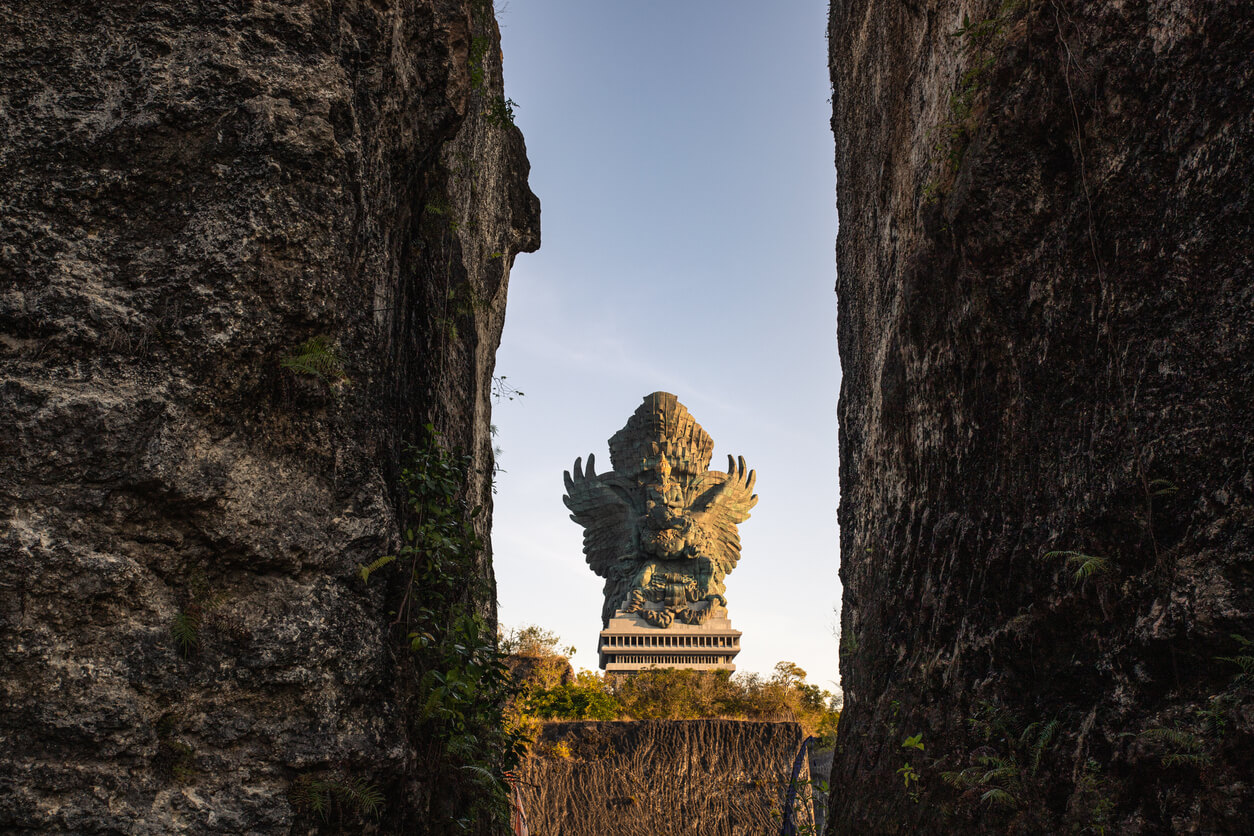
659 777
192 190
1046 330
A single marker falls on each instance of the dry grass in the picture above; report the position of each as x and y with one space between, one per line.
714 777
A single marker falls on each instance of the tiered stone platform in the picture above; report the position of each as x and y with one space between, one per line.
631 644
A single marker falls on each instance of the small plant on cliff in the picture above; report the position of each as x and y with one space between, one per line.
500 111
1244 659
1198 740
1006 777
323 796
201 601
909 775
186 629
365 570
1178 747
497 110
501 388
175 758
981 42
1085 565
317 357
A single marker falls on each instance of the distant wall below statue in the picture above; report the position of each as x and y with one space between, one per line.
659 777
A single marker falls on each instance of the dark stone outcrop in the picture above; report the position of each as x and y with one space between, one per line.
659 777
192 191
1046 330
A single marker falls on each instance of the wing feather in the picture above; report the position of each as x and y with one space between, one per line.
601 505
723 501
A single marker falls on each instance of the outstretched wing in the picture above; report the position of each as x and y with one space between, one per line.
723 501
602 505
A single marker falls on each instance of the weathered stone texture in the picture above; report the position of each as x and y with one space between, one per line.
1046 331
191 191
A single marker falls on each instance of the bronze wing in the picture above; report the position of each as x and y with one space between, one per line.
603 505
723 501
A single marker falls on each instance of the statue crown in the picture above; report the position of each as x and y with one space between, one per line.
661 433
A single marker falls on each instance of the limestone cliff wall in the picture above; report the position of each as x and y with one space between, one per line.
193 190
1046 329
659 777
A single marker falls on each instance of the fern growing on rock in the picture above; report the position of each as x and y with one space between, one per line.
317 357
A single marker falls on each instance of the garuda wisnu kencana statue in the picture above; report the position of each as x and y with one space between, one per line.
661 527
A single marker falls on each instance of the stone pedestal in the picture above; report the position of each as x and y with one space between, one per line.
630 643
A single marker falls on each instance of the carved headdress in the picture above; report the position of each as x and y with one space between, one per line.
661 426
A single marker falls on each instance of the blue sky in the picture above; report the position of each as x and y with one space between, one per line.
683 159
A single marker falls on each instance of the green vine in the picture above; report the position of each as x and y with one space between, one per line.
461 681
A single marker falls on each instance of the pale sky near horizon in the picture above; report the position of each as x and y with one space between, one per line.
682 156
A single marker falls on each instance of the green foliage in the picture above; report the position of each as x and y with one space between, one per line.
532 640
1009 778
676 693
323 796
365 570
574 701
1162 487
500 111
1197 740
932 192
1180 747
462 682
1093 801
983 35
662 693
1085 565
201 601
981 42
186 629
910 777
317 357
184 767
478 51
176 759
1243 660
501 388
497 110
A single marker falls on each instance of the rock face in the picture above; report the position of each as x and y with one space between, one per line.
246 251
659 777
1047 437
